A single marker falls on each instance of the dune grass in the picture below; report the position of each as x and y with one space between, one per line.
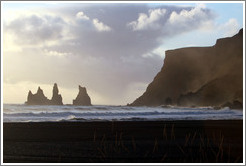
195 147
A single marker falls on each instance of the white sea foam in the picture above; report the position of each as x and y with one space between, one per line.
25 113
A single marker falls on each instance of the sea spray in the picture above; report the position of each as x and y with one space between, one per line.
24 113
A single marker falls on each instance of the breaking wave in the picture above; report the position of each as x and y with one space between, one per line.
24 113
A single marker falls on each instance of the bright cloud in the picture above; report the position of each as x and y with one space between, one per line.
168 21
144 21
197 12
230 27
197 17
100 26
55 53
81 15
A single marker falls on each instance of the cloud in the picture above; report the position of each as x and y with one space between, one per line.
198 17
110 49
186 16
169 21
100 26
81 15
148 22
35 29
55 53
230 28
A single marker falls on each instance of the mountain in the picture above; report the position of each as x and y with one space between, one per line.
40 99
199 76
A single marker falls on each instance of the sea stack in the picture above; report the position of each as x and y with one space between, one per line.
56 98
199 76
37 99
40 99
82 97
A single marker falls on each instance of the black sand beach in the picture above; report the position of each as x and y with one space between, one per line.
128 142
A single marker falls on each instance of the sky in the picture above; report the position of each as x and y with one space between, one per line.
113 49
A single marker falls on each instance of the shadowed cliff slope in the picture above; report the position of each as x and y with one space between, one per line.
199 76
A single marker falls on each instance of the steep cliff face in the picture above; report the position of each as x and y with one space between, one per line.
82 97
40 99
199 76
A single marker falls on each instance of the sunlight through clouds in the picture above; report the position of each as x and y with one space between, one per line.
108 48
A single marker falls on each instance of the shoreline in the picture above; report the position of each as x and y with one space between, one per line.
128 105
178 141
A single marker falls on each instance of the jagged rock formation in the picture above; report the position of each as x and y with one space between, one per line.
82 97
40 99
199 76
56 98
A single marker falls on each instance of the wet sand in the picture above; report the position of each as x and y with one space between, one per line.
126 141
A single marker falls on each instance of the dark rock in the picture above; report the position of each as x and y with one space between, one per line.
235 105
199 76
82 97
40 99
56 98
168 101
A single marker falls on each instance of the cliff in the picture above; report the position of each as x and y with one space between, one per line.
40 99
199 76
82 97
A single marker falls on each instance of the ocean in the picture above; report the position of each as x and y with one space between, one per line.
41 113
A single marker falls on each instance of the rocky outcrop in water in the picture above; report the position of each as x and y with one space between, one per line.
82 97
199 76
37 99
40 99
56 98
